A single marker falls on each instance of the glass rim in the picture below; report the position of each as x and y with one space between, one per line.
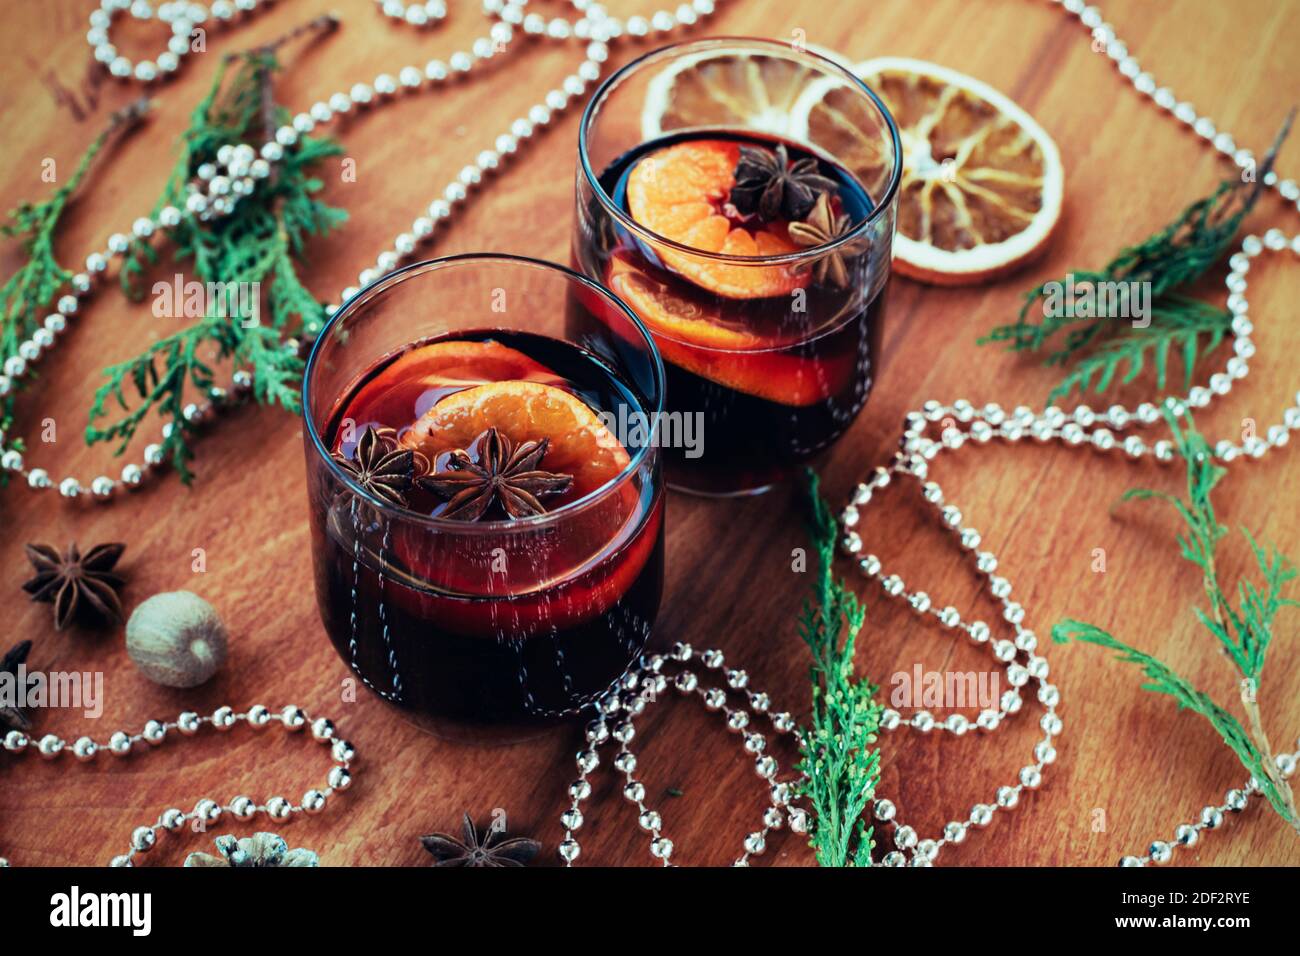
455 524
681 48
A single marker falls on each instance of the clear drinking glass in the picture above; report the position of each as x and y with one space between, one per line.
770 342
501 619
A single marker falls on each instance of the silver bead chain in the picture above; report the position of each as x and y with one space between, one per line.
1113 429
207 812
219 186
416 14
642 686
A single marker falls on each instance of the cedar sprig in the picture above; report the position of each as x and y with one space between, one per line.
27 294
1187 327
1244 631
839 762
1171 260
262 241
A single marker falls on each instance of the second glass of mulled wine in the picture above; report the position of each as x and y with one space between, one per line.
485 497
739 195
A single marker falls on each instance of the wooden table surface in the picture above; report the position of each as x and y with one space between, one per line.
1128 760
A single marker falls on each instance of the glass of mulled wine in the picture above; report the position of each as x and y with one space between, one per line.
739 195
486 499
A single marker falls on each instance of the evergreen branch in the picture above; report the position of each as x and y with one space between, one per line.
1166 262
30 290
1244 631
254 249
839 762
1192 328
1162 680
1259 610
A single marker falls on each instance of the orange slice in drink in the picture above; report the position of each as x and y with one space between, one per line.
693 337
982 180
544 581
408 387
678 193
580 444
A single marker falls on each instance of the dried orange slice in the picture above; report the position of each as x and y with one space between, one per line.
580 444
409 386
693 337
678 193
982 180
728 89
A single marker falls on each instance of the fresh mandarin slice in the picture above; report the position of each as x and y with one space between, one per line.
561 579
678 193
408 387
580 444
692 336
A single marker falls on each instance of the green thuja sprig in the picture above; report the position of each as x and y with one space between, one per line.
1243 628
259 245
838 758
1098 345
1187 327
28 293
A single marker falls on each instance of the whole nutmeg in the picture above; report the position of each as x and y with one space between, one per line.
176 639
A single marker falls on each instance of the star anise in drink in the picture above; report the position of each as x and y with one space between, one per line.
380 465
769 185
493 849
505 473
822 226
77 584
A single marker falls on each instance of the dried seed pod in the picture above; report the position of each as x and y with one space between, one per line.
176 639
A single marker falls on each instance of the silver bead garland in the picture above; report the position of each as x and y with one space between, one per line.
642 686
207 812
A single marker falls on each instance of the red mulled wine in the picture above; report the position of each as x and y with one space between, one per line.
485 592
768 314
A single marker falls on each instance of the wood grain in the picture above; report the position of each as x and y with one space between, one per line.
1125 754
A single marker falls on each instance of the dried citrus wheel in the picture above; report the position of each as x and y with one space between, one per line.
982 181
678 193
408 387
693 337
728 89
580 444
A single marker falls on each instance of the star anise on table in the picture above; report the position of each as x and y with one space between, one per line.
380 465
77 584
824 225
494 849
505 473
769 185
14 718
